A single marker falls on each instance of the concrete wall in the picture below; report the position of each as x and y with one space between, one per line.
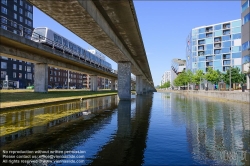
226 95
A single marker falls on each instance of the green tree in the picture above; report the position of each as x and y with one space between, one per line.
198 76
212 75
235 76
189 75
181 79
165 85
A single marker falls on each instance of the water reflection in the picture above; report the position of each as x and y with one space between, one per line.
20 123
128 145
217 133
124 118
158 129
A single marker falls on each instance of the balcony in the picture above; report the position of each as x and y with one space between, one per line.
209 64
217 51
226 56
217 40
218 45
201 42
209 29
226 26
226 32
227 63
209 58
200 48
201 53
209 34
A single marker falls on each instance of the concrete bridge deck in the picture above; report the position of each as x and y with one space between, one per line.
112 28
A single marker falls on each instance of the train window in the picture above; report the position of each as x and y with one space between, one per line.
87 54
65 42
55 38
59 39
70 46
79 50
82 52
75 48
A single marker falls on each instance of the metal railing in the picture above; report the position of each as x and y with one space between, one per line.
18 29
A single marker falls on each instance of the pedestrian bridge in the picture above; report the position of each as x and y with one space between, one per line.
112 28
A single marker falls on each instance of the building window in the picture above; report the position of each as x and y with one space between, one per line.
4 20
14 31
4 10
246 59
13 24
14 66
29 76
15 16
3 74
15 1
27 22
3 65
15 7
244 6
20 10
246 46
29 15
21 2
246 19
4 2
20 67
28 69
20 75
14 74
3 27
20 18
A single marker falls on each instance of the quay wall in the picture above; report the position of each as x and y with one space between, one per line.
237 96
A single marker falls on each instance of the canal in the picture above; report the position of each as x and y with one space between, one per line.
152 129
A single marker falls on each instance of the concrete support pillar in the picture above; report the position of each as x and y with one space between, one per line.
112 84
124 119
124 80
93 83
41 77
139 85
144 85
248 81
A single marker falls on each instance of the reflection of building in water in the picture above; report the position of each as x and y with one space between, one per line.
216 132
38 120
166 101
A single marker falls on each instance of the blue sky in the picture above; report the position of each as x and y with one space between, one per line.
164 26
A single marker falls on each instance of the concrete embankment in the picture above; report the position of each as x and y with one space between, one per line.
237 96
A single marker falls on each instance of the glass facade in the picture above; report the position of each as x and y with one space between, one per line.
217 46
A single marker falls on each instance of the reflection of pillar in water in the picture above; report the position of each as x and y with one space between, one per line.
113 101
124 118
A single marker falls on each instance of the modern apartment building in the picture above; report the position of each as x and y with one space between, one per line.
217 46
177 66
17 16
245 40
166 77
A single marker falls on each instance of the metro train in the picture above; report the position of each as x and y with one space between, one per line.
48 37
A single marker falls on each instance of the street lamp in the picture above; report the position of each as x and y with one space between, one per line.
230 79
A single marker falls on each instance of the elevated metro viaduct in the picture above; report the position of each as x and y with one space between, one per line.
112 28
18 47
